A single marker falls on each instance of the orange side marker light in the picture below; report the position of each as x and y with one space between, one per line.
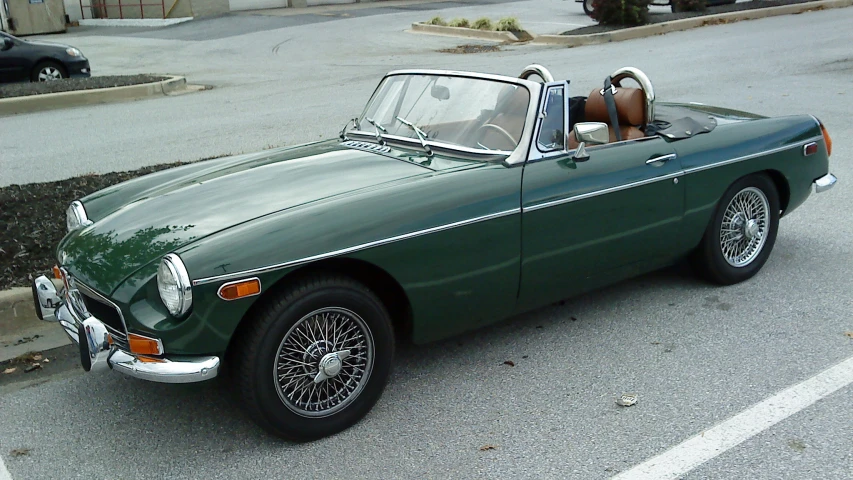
240 289
144 345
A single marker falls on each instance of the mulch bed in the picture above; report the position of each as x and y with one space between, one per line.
72 84
471 49
660 17
32 221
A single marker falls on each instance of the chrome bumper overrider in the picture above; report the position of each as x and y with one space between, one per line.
824 183
97 354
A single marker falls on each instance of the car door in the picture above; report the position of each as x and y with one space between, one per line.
13 62
592 222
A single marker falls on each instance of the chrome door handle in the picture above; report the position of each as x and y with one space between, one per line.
661 159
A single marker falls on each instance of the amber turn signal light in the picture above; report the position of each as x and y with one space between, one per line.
240 289
144 345
826 139
56 273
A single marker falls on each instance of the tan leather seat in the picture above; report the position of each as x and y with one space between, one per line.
630 113
511 112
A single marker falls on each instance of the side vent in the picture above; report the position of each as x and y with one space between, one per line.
367 146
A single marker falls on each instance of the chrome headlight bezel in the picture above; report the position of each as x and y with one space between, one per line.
75 216
172 268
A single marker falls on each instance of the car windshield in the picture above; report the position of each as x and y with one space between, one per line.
480 114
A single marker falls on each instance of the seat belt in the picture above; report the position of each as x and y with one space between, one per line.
611 108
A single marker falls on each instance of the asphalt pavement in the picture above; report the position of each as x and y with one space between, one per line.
694 354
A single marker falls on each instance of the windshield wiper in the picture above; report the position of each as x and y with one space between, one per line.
420 133
376 127
354 123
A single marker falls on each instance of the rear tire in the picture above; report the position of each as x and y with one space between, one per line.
587 7
742 232
328 324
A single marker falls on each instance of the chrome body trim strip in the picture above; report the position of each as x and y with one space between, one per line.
663 177
596 193
752 155
355 248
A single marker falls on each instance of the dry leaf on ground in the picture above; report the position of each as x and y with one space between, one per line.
488 447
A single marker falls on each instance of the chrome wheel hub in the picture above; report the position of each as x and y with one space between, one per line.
743 232
323 362
49 73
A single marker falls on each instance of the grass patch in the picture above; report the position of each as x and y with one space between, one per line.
459 22
482 24
508 24
437 20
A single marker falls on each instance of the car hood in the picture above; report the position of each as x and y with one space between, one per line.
183 210
40 43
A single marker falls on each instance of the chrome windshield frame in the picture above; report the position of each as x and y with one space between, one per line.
515 157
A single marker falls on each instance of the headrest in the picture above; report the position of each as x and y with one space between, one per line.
513 98
630 107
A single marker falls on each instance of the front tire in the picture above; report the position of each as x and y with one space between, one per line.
48 71
742 232
588 7
315 359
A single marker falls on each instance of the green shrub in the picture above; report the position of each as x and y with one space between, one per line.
688 6
437 20
508 24
621 12
459 22
482 24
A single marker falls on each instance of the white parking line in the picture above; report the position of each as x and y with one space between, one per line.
695 451
4 473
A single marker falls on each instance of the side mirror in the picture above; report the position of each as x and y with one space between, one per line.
440 92
593 133
7 44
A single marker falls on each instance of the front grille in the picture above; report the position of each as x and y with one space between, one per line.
109 315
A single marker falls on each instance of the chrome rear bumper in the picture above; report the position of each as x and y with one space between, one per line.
97 353
824 183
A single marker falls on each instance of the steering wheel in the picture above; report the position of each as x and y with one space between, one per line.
483 129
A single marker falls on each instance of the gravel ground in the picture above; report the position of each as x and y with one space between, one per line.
72 84
33 220
655 17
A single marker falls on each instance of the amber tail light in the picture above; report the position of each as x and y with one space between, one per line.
826 139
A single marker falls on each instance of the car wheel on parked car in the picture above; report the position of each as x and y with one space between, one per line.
47 71
742 232
315 358
587 7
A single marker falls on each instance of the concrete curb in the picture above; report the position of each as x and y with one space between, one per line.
132 22
686 24
464 32
48 101
20 329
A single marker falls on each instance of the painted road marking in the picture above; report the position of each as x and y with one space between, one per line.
4 473
695 451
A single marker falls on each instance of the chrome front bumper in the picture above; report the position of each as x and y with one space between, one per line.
824 183
97 353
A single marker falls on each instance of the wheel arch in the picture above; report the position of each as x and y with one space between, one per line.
381 283
782 187
44 59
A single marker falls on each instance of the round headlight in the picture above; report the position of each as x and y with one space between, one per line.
173 283
75 216
71 51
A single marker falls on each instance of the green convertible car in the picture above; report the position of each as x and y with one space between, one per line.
455 200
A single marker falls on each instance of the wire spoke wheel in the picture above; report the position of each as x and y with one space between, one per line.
744 228
323 362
